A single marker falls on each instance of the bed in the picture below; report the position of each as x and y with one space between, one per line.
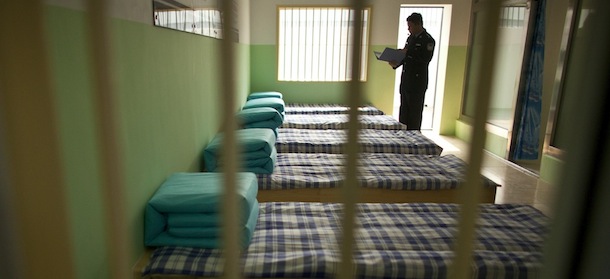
339 121
302 240
371 141
299 108
383 177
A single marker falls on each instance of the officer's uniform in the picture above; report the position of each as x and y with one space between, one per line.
414 81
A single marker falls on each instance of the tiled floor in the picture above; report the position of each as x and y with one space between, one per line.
518 184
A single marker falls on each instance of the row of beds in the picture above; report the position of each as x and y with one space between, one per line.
407 212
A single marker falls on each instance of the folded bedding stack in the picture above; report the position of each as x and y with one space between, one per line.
185 210
265 94
271 102
263 117
257 147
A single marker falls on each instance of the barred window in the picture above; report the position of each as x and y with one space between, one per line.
314 44
512 17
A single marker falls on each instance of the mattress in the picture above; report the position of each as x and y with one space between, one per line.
376 170
302 240
297 108
339 121
371 141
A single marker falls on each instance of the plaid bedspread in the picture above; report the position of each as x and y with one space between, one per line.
302 240
371 141
377 170
297 108
339 121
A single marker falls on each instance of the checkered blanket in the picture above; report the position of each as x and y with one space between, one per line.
302 240
339 121
371 141
296 108
377 170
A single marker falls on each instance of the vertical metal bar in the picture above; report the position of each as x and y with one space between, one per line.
470 191
33 167
230 153
350 189
111 159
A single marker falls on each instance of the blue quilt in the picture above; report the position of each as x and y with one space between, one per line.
275 103
265 94
185 210
257 147
263 117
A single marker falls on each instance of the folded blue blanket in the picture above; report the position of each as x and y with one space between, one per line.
164 238
261 166
193 193
263 117
265 94
255 143
261 163
206 232
193 219
275 103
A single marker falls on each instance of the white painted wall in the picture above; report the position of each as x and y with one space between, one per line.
384 18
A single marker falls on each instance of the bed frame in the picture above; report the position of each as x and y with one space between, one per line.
371 195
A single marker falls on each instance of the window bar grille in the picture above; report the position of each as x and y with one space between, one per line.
314 43
470 191
111 159
230 153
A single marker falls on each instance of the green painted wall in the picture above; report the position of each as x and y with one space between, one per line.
379 88
454 85
493 143
78 138
497 145
167 93
550 169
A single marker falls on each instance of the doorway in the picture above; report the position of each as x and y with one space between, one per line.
436 20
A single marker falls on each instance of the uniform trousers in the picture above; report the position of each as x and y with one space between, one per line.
411 106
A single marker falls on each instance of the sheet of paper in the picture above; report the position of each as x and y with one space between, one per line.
390 54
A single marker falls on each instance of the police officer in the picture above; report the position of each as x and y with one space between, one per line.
414 80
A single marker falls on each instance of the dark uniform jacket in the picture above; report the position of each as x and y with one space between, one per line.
415 64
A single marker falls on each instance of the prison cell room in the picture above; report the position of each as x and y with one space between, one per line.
219 139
